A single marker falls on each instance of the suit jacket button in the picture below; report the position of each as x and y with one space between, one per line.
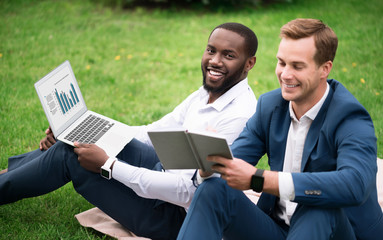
313 192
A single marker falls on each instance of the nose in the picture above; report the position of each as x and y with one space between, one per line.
216 59
286 73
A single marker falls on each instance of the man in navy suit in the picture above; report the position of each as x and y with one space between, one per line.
321 149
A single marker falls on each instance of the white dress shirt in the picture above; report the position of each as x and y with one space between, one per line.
293 157
227 116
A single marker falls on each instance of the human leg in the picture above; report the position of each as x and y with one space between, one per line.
19 160
39 172
139 154
318 223
135 153
145 217
219 211
16 161
30 174
150 218
53 168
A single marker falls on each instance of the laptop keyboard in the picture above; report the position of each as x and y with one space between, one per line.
90 130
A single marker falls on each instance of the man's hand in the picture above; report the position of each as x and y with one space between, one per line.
90 156
205 174
48 140
236 172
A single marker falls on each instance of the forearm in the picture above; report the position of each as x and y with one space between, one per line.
174 188
271 183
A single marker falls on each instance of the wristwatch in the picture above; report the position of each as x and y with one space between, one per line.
257 181
106 172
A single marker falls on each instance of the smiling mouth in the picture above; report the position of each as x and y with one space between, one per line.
290 85
215 75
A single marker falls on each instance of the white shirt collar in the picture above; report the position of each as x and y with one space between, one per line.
226 98
313 112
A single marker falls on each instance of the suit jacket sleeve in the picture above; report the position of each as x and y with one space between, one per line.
341 169
250 145
339 159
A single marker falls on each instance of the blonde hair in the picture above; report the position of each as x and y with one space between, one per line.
326 41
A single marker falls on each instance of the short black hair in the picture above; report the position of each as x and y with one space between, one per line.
251 41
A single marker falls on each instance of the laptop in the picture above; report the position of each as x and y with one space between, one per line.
69 118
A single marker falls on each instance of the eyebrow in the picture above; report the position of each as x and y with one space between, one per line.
225 50
294 62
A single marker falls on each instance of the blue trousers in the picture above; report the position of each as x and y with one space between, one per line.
221 212
40 172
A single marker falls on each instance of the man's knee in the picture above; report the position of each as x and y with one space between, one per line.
320 223
215 189
62 154
212 185
139 154
60 146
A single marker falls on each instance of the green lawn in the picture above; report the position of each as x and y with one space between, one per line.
137 65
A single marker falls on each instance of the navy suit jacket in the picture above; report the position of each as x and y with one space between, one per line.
339 162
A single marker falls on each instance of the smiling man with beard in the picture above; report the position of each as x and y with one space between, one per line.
223 66
141 196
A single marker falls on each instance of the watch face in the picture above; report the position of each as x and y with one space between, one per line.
257 183
105 173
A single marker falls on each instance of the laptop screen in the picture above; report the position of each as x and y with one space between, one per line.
61 97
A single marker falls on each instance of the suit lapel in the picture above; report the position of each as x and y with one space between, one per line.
314 131
279 128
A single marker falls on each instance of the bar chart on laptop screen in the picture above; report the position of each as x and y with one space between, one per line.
63 101
66 100
62 97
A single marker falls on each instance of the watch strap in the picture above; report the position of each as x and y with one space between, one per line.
259 172
106 172
109 163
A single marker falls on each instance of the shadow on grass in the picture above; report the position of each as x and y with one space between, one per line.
212 6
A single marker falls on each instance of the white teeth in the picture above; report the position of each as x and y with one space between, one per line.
215 73
290 86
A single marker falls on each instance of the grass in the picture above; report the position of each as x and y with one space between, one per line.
137 65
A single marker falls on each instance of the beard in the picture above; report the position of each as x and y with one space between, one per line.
227 83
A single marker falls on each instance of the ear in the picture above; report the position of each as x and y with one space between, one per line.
326 69
250 63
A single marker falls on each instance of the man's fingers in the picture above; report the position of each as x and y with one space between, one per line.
78 145
81 145
51 140
213 158
218 168
48 130
43 144
219 160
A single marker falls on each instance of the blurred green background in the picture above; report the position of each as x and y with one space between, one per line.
137 64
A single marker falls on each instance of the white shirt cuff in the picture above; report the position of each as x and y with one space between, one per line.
121 170
201 179
286 186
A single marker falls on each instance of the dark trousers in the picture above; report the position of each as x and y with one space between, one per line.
221 212
40 172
